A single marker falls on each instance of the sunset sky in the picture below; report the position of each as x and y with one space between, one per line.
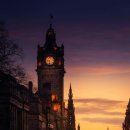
96 36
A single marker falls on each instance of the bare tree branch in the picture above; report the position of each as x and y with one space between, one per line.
10 55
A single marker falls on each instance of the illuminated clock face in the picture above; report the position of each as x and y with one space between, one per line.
50 60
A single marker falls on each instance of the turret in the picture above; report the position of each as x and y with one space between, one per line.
50 38
70 112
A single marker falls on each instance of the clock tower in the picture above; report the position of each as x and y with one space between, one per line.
50 67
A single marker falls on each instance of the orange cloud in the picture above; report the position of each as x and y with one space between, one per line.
105 120
100 106
99 70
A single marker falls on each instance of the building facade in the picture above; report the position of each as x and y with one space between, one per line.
14 104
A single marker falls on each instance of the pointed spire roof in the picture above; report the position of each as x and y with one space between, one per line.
128 108
70 93
70 90
128 103
50 36
71 112
126 124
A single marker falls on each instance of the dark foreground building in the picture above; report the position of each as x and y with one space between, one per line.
21 109
14 104
126 124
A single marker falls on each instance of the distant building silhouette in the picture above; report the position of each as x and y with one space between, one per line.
126 124
71 112
78 127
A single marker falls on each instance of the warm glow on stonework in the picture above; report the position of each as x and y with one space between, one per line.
56 107
54 97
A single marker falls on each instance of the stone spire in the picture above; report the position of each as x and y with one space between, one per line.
70 112
70 93
126 124
78 127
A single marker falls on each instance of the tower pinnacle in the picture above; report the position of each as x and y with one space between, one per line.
70 92
70 112
50 36
51 18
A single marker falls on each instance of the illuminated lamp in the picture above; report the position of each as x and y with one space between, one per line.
54 97
56 107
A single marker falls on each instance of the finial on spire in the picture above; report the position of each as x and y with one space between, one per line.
70 90
51 17
70 85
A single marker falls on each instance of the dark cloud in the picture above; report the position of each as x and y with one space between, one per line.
87 42
73 10
102 45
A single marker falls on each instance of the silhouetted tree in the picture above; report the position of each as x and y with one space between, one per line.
10 56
